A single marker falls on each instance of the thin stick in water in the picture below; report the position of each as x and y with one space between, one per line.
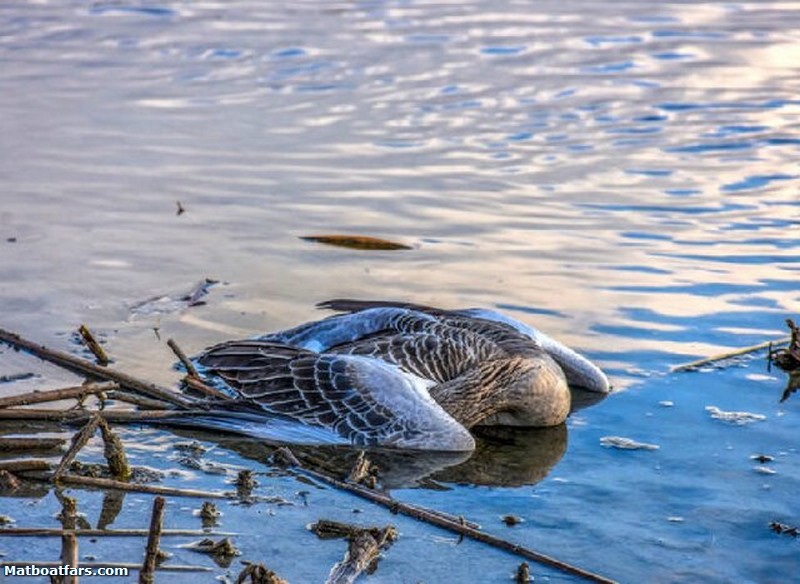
729 354
28 443
37 397
146 575
79 440
422 514
101 483
190 369
88 368
92 344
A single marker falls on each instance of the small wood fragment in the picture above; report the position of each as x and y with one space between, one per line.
187 363
728 355
144 403
363 550
83 366
49 532
199 386
92 344
209 514
26 465
8 482
523 575
79 440
37 397
511 520
222 551
181 210
258 574
69 556
147 573
363 472
114 453
101 483
245 483
75 416
28 443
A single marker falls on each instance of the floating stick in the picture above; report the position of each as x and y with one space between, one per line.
100 483
728 355
146 575
27 444
37 397
422 514
49 532
86 367
92 344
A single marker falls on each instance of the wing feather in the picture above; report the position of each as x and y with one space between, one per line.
364 400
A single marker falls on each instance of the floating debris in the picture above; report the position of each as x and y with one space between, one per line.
258 574
16 377
626 443
245 481
511 520
181 209
94 346
151 558
762 458
523 574
784 529
765 470
222 551
736 418
788 358
363 550
8 482
193 447
666 403
170 304
361 242
209 514
363 472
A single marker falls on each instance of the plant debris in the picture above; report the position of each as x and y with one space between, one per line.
784 529
511 520
523 575
258 574
788 358
222 551
626 443
362 242
209 514
363 472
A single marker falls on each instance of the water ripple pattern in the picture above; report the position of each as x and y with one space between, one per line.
623 175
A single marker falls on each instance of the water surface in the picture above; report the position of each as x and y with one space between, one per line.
623 176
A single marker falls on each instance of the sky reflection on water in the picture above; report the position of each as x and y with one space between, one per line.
623 176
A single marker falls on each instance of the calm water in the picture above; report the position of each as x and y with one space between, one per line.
623 176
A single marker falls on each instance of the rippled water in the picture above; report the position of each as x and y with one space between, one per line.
623 176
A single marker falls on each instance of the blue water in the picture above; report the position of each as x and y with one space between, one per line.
623 176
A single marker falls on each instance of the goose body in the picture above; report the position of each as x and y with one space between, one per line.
405 375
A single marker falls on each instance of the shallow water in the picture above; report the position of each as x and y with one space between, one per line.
621 176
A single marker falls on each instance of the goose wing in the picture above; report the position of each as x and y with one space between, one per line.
514 336
364 400
438 352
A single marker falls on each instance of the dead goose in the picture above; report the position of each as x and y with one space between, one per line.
406 376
